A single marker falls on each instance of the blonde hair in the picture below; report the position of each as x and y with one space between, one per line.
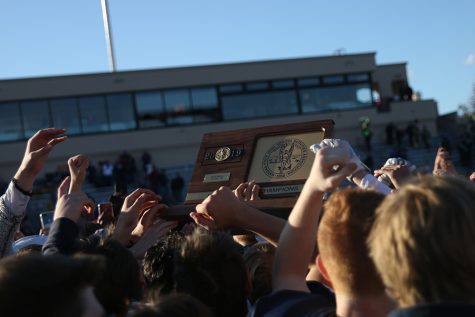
344 228
422 241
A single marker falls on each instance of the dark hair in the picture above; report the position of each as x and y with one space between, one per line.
259 260
36 285
177 305
209 267
119 281
158 265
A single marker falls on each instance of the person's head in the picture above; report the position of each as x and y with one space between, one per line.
209 266
158 265
259 260
119 281
177 305
344 257
54 286
421 241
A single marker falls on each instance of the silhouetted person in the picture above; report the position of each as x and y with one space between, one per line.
177 185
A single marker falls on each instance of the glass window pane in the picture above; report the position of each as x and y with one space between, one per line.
150 109
230 88
335 98
304 82
328 80
205 104
93 114
65 114
354 78
121 112
278 84
177 105
35 116
10 122
259 104
204 98
261 85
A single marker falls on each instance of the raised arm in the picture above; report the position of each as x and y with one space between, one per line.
15 200
71 202
223 209
297 241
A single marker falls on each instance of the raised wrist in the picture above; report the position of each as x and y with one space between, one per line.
25 179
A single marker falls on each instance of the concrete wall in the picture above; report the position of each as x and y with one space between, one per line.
179 145
384 75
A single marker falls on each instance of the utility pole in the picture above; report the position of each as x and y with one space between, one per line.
107 31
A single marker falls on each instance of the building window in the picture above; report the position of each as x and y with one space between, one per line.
356 78
335 98
258 85
35 116
332 80
65 114
230 88
305 82
177 105
150 110
121 112
10 122
93 114
255 105
283 84
205 104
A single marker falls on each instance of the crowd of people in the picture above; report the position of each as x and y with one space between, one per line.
392 243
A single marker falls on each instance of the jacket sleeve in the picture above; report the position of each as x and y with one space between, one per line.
62 237
12 210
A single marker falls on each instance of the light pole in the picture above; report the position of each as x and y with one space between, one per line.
107 31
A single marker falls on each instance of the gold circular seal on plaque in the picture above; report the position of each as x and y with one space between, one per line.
284 158
222 154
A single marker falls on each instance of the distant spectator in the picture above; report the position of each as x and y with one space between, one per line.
177 184
425 136
366 131
390 131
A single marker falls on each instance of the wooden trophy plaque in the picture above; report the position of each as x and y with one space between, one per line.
277 157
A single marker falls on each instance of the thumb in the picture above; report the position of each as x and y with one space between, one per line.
199 219
341 174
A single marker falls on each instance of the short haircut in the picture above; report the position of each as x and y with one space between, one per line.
36 285
158 265
259 260
119 281
210 268
342 233
422 239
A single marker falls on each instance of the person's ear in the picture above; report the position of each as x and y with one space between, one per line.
323 271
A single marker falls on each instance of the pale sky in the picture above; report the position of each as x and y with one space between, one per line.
52 37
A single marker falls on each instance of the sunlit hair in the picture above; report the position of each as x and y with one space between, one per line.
342 234
422 241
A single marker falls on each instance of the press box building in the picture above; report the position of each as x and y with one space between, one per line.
166 111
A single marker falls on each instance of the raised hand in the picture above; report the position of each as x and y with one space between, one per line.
221 209
148 217
156 232
247 191
36 153
71 205
398 174
77 169
332 164
130 213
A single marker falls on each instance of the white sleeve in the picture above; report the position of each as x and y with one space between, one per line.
15 200
370 182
